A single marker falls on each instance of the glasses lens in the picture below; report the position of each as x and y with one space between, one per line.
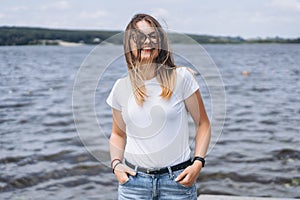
141 37
153 37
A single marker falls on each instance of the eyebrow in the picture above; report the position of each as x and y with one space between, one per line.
145 33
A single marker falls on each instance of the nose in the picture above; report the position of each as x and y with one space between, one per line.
147 41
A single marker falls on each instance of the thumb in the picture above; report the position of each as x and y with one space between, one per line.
129 170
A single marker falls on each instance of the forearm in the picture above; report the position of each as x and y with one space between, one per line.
202 139
191 173
117 146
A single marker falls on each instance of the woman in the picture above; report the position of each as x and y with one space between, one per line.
149 143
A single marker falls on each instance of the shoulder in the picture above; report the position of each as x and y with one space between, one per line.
122 82
119 92
185 72
186 81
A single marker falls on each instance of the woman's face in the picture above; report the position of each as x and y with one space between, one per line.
146 38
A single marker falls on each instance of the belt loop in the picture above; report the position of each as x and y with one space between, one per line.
171 175
136 168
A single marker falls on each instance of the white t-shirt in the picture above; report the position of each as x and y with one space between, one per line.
157 132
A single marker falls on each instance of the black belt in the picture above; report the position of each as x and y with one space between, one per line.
163 170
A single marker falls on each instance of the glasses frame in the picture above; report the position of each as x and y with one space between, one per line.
142 37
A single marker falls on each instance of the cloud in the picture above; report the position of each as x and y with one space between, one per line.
160 12
60 5
92 15
263 18
19 8
287 4
63 5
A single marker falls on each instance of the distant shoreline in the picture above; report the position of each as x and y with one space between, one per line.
14 36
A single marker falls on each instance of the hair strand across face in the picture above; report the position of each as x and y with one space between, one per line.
163 62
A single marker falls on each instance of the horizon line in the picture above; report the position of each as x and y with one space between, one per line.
203 34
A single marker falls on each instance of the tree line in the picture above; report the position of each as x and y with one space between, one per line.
45 36
33 36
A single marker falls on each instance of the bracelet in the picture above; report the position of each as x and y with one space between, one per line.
202 160
112 162
113 170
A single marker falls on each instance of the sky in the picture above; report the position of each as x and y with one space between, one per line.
245 18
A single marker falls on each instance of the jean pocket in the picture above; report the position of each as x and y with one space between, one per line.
126 182
176 174
186 187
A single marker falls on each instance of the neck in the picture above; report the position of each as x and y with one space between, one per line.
148 70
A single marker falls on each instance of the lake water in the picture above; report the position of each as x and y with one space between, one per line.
43 156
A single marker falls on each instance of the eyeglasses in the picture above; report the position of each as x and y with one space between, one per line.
140 37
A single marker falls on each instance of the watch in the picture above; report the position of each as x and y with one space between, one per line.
200 159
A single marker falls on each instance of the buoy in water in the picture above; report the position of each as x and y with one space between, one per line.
245 73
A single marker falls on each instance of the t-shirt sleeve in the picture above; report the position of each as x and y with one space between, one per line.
112 98
190 84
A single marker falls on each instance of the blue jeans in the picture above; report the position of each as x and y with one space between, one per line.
155 187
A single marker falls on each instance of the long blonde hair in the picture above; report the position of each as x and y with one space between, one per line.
165 69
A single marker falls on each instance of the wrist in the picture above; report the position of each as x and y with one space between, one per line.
199 161
197 165
114 162
113 169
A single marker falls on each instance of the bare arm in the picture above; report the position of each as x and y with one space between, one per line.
195 107
117 146
197 110
118 136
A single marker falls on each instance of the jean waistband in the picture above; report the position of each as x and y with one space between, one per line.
163 170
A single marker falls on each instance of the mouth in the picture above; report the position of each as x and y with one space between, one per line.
147 49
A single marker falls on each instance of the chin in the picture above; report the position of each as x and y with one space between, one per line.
145 57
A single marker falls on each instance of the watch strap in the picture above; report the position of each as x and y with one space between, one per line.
202 160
